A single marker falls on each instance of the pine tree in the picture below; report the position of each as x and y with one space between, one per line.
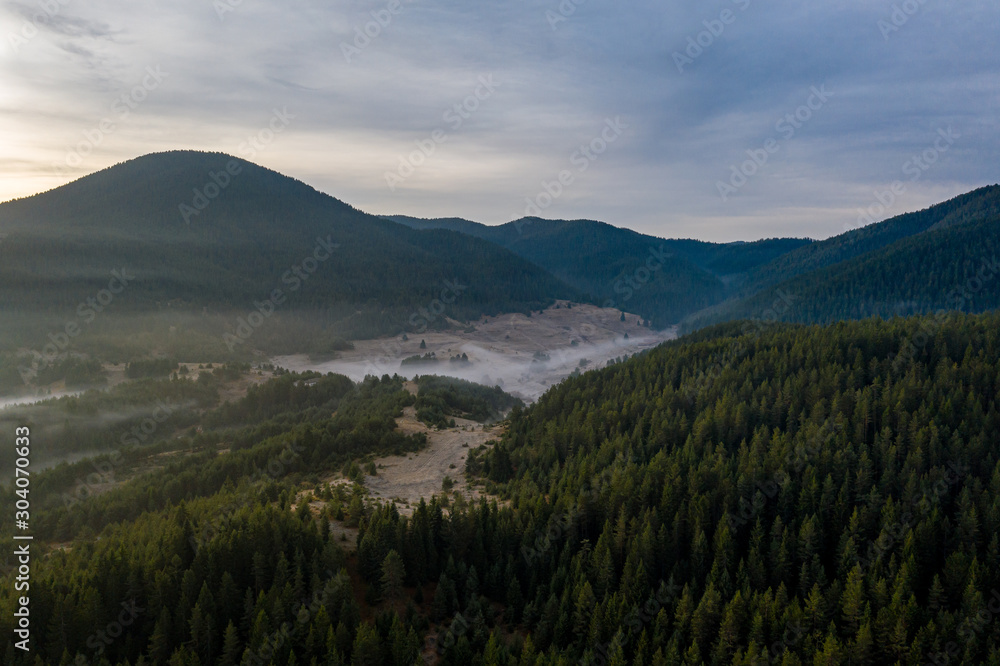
231 646
494 653
853 600
441 606
862 648
832 654
692 657
393 574
403 643
515 601
527 653
937 599
202 633
585 602
729 631
160 641
367 647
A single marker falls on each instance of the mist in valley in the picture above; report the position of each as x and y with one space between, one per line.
525 367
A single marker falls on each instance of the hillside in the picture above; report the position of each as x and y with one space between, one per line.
662 280
207 234
907 264
795 495
174 253
976 206
942 257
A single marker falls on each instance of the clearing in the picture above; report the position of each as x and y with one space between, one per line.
523 355
413 476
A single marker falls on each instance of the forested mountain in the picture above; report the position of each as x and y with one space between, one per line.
525 235
662 280
793 495
942 257
744 495
976 206
451 223
622 268
907 264
200 560
208 232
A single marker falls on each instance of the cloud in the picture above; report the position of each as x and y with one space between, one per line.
561 78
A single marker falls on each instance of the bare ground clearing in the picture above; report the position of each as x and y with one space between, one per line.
420 475
524 355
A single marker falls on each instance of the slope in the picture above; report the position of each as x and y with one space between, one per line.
663 280
788 497
978 205
209 232
943 257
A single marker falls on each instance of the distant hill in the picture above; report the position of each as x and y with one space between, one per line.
208 235
206 232
910 264
978 205
450 223
663 280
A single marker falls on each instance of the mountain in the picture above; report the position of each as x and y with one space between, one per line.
215 239
941 257
799 496
621 268
908 264
976 206
663 280
450 223
206 232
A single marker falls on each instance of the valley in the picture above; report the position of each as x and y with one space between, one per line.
398 333
523 355
472 445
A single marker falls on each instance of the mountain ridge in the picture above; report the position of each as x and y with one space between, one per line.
251 226
205 230
892 268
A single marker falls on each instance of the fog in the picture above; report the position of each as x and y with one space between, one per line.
60 435
33 399
525 373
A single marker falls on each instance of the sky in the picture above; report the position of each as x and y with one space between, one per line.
726 120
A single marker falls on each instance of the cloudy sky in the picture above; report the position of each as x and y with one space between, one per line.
721 120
